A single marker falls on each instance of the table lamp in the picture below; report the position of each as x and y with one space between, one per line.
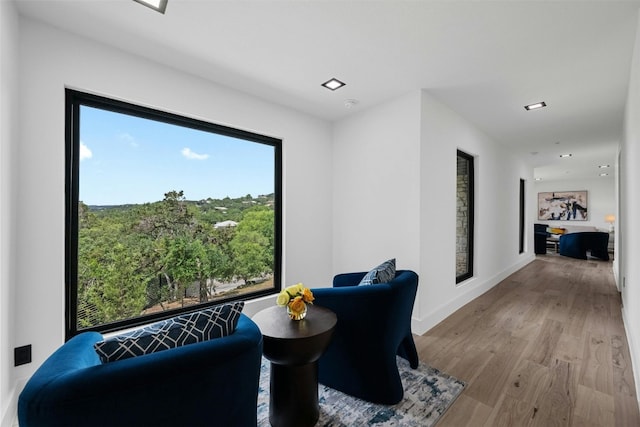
610 219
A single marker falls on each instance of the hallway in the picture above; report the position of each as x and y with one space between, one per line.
545 347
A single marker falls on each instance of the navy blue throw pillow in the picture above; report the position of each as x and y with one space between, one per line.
383 273
190 328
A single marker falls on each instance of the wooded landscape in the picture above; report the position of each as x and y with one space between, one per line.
134 259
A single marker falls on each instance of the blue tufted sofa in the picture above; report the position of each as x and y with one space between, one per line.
210 383
374 325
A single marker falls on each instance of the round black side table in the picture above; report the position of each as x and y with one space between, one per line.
293 347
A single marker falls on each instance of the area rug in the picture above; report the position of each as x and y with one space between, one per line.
427 395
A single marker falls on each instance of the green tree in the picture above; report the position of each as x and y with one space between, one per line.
252 244
215 265
172 217
184 262
133 257
112 287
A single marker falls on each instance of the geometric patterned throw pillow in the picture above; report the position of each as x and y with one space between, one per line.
383 273
202 325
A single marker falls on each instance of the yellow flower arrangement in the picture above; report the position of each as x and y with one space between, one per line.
295 298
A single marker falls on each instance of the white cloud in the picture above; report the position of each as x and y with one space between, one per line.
85 153
193 155
129 138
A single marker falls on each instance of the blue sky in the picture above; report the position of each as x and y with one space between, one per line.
129 160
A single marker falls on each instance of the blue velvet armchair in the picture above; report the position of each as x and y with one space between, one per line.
540 238
576 245
374 325
210 383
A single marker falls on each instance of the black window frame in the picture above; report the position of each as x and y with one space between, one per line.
521 234
74 100
471 209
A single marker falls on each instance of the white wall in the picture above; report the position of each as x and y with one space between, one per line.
601 199
51 60
629 225
376 182
394 196
497 187
8 136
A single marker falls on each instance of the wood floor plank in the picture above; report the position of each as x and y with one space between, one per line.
512 318
625 411
512 412
597 364
470 364
528 381
526 329
539 310
622 369
574 324
544 347
598 319
556 404
570 349
615 324
594 407
494 375
559 310
468 413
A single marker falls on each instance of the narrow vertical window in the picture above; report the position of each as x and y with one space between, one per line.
521 230
464 217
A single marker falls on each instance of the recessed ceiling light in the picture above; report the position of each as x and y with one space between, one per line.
157 5
538 179
603 166
604 174
535 106
566 155
333 84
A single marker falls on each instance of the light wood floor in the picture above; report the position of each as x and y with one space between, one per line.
545 347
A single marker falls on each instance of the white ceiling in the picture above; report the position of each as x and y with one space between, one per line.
484 59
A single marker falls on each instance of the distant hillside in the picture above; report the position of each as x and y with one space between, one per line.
240 203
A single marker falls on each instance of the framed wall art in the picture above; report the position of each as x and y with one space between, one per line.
563 206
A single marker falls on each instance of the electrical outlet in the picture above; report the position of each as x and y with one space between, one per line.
22 355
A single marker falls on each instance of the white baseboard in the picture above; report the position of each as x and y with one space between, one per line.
633 354
10 415
614 267
421 325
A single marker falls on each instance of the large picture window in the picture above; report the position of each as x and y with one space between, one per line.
164 214
464 216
